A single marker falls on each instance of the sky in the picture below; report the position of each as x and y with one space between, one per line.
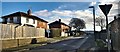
52 11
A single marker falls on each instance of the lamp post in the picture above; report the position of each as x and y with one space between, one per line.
93 19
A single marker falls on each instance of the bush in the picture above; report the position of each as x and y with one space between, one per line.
100 43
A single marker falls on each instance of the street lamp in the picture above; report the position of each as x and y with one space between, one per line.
93 19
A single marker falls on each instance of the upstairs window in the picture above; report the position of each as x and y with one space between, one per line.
15 19
33 21
11 19
18 19
27 20
8 20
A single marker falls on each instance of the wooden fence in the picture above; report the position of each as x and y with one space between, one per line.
12 31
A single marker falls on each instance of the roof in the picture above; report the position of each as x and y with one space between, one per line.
24 14
114 21
57 22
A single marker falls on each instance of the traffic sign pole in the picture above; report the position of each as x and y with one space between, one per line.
105 9
108 34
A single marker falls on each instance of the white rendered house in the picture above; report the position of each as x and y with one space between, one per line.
22 19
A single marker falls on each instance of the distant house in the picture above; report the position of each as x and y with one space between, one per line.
58 28
25 19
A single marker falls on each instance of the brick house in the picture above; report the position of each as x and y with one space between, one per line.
22 18
58 29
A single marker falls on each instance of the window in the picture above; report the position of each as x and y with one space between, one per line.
5 20
33 21
15 19
27 20
11 19
8 20
19 19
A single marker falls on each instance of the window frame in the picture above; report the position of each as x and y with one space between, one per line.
33 21
27 20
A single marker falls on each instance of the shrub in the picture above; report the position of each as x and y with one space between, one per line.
100 43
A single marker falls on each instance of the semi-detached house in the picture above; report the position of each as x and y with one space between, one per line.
25 19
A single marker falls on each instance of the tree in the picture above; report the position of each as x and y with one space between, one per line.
100 22
77 23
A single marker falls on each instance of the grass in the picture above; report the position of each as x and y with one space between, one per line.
59 38
100 43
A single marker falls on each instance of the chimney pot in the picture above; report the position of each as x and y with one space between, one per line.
29 12
59 20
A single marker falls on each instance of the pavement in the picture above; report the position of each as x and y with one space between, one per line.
53 40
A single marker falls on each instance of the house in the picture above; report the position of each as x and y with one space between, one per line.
25 19
58 29
114 29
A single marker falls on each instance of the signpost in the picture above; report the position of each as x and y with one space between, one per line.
48 31
105 9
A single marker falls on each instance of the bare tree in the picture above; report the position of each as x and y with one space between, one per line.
100 22
77 23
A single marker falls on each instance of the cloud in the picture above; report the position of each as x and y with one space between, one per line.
42 13
66 20
86 14
67 7
83 13
66 15
108 1
62 6
62 13
93 3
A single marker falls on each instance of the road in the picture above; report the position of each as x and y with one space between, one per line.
70 45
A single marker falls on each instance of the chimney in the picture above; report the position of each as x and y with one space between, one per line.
59 20
29 12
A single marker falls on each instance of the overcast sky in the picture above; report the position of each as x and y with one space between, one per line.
52 11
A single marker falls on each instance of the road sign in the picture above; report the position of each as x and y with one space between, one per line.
105 8
48 31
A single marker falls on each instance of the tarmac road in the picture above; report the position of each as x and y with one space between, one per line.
70 45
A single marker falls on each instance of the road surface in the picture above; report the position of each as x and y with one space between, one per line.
70 45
